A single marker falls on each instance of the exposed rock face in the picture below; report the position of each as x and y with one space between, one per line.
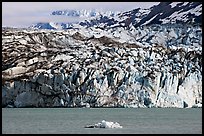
60 69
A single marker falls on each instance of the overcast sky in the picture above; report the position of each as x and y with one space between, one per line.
24 14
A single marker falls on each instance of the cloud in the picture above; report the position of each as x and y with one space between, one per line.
23 14
27 21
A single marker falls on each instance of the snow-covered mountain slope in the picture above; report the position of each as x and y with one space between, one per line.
84 13
52 25
163 13
173 12
72 13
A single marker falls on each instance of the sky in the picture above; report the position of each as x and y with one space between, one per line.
24 14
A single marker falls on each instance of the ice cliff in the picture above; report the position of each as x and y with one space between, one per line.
157 66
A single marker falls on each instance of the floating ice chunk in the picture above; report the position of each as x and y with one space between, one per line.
198 105
105 124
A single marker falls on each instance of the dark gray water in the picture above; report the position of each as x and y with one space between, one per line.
73 120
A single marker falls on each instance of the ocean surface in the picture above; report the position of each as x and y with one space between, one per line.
73 120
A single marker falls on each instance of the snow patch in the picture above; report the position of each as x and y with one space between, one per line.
173 4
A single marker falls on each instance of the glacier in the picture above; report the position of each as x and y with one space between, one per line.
143 58
98 68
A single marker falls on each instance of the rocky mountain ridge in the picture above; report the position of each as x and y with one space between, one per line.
163 13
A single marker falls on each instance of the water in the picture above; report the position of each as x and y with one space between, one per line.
73 120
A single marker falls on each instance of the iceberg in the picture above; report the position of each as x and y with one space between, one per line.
105 124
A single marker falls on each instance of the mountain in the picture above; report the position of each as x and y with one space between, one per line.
52 25
83 13
72 13
148 60
172 12
163 13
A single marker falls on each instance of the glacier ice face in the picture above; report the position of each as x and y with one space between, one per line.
92 68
